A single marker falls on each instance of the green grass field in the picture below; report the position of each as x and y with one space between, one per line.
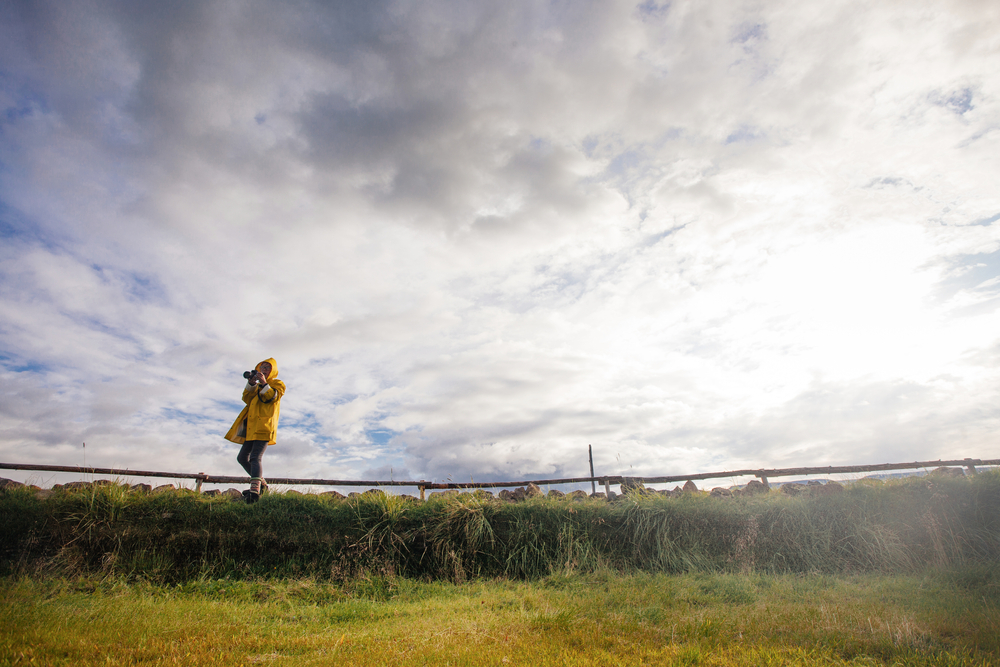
942 618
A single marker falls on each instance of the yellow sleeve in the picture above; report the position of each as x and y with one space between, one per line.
272 393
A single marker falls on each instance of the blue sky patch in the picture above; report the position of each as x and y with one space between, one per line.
12 363
958 101
653 9
380 436
16 227
26 105
175 415
744 133
233 406
986 222
625 162
303 422
749 32
968 271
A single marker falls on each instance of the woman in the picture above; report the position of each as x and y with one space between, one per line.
257 425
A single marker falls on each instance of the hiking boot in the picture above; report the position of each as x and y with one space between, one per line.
249 497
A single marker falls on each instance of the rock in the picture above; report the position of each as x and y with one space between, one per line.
42 494
754 487
947 472
515 496
482 493
443 494
164 487
533 491
293 492
632 485
234 494
719 492
9 484
141 488
828 489
556 493
77 485
103 482
580 495
337 495
690 487
211 493
792 488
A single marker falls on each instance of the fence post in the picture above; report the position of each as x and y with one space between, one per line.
590 454
607 489
970 467
763 480
421 492
197 486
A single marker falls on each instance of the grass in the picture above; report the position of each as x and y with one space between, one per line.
902 573
171 537
941 617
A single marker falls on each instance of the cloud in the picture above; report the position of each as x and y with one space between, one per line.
479 238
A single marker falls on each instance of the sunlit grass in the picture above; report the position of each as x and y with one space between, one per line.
943 618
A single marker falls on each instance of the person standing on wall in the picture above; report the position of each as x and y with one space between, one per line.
257 425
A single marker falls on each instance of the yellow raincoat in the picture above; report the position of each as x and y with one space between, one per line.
259 419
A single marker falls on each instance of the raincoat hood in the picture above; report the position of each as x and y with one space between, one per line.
274 368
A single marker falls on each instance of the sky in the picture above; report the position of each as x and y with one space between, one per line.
479 237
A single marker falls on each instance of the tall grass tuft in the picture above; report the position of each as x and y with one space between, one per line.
177 536
379 535
461 538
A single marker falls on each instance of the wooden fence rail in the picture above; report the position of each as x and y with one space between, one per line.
606 480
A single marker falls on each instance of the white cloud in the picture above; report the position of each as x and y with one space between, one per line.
479 238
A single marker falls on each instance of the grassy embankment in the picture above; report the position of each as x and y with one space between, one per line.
903 526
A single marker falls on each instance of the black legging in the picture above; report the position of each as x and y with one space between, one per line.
250 457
